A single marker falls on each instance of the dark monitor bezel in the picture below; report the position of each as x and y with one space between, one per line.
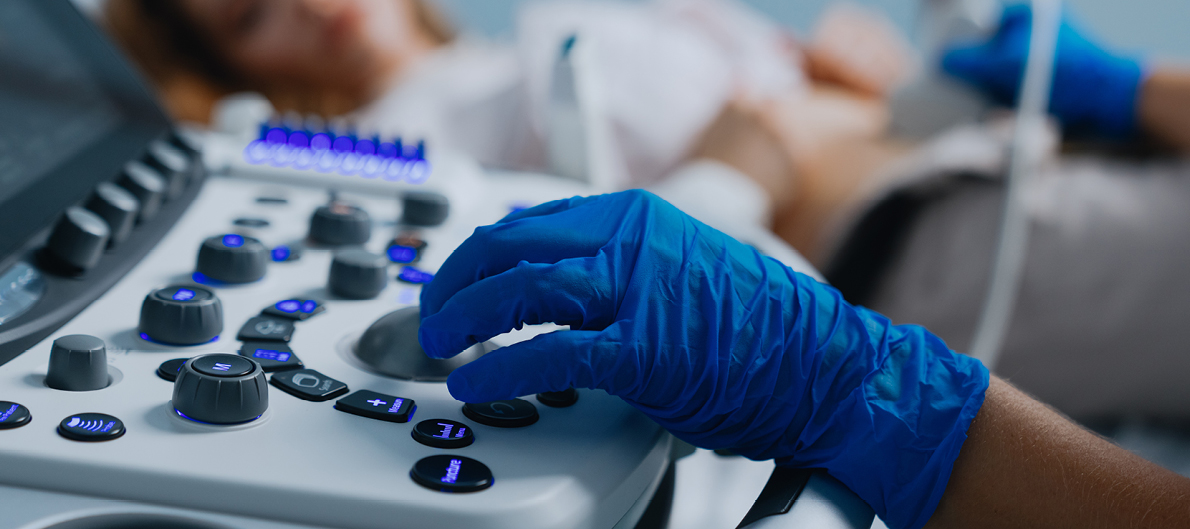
29 212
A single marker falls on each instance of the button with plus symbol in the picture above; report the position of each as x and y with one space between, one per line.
377 406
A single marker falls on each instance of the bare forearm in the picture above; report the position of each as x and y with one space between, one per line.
1023 465
1165 107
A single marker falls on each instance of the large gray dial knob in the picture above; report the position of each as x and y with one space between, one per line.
221 389
172 163
146 185
357 274
390 347
117 207
424 208
340 224
232 258
181 315
79 238
78 363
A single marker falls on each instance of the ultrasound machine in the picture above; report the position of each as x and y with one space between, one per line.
195 345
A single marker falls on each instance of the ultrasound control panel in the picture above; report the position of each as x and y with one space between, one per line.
262 361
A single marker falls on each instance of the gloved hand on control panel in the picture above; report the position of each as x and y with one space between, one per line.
722 346
1094 91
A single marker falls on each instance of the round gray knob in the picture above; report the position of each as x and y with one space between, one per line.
221 389
424 208
357 274
232 258
79 238
146 185
181 315
340 224
390 347
117 207
78 363
172 163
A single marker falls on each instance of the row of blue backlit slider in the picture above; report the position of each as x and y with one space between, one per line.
346 154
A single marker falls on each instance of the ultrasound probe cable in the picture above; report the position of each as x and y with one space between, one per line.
1026 157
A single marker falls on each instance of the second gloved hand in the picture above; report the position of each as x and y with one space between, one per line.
1094 91
722 346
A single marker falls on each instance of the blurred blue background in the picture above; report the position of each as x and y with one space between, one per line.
1156 27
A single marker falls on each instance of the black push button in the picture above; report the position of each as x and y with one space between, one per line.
286 253
272 356
226 366
13 415
91 427
502 413
295 309
308 384
405 248
251 222
169 369
447 473
558 399
443 433
266 328
377 406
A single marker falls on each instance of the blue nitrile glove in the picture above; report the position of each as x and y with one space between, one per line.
722 346
1094 92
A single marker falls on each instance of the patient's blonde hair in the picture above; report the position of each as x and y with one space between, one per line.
190 76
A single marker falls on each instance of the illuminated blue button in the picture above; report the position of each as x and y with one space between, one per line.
233 241
286 253
13 415
443 433
379 406
272 356
183 294
91 427
413 275
295 309
450 473
222 365
401 254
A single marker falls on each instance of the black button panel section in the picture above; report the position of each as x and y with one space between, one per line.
295 309
308 384
266 328
375 405
280 201
13 415
513 413
169 369
225 366
251 222
272 356
91 427
450 473
558 399
443 433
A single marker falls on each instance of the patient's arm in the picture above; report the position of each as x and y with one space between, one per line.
1023 465
1165 106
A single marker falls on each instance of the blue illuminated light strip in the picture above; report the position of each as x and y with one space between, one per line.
345 154
192 419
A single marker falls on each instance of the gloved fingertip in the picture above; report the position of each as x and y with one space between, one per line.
467 385
439 343
965 62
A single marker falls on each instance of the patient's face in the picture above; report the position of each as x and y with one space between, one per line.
321 44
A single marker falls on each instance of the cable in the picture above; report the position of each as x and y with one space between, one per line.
1026 157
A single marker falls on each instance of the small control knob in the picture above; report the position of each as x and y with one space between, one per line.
424 208
340 224
221 389
390 347
173 164
357 274
181 315
146 185
117 207
78 363
232 258
79 238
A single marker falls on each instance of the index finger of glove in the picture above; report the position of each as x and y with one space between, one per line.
494 249
550 362
573 292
